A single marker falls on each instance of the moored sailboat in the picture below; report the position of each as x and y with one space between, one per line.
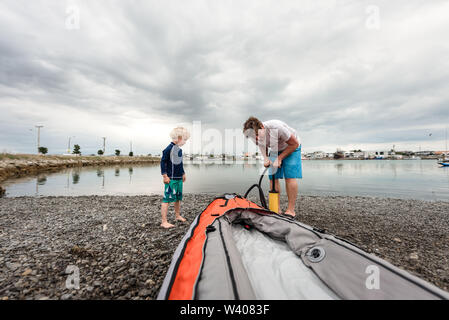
445 161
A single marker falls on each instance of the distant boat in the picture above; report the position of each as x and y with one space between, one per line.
201 158
339 155
445 161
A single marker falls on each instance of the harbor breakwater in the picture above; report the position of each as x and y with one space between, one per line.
15 166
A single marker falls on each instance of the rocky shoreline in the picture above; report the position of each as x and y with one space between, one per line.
120 251
15 166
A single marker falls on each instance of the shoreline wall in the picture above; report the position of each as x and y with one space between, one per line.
19 166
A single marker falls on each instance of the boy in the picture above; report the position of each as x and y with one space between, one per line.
173 174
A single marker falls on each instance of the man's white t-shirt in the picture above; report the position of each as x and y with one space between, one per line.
277 134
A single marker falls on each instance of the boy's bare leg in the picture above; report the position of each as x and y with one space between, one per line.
292 192
178 211
164 210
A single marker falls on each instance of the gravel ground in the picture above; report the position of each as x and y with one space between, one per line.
122 253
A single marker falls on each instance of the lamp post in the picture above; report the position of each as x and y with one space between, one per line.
68 148
38 137
104 145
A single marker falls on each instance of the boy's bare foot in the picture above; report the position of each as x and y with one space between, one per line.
179 218
166 225
290 213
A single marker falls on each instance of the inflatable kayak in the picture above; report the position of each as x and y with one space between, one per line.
236 249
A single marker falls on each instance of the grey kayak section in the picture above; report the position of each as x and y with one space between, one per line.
275 271
324 267
223 275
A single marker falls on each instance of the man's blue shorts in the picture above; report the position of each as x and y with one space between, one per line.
291 167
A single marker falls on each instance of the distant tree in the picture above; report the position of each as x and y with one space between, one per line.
100 152
131 153
43 150
75 177
76 149
41 180
117 152
149 155
100 173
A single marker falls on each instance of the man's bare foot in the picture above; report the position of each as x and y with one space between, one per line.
166 225
180 218
290 213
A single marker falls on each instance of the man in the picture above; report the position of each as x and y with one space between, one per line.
284 156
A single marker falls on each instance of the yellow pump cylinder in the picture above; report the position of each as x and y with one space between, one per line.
273 197
273 201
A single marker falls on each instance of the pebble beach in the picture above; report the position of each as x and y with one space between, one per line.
121 252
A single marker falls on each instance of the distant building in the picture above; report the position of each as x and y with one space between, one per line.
349 154
406 153
386 155
424 153
316 155
380 154
360 154
319 155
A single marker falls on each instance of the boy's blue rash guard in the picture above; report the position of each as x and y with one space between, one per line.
171 162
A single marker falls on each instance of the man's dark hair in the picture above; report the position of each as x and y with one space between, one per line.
252 123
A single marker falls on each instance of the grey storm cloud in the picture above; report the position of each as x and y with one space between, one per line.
343 73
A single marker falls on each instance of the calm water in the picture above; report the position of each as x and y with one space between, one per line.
411 179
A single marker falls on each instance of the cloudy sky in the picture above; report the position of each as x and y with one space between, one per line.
345 74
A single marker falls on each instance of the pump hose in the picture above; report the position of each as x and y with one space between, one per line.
263 202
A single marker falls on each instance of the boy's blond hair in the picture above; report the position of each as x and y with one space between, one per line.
179 132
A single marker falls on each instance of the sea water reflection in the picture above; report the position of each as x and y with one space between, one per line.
413 179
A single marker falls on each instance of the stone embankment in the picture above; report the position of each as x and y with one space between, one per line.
14 166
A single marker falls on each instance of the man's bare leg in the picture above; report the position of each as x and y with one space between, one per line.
164 210
292 192
178 211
